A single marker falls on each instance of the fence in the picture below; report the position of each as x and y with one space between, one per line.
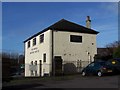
71 67
67 67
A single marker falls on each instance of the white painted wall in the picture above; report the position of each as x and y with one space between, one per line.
71 51
42 48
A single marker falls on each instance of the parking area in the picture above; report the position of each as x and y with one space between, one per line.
76 81
84 82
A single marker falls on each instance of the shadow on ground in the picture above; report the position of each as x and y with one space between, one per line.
21 87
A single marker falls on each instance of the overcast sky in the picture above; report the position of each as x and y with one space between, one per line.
22 20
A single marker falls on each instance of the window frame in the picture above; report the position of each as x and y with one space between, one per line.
76 38
41 38
35 62
44 57
28 44
31 62
34 41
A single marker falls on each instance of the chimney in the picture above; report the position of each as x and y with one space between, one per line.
88 22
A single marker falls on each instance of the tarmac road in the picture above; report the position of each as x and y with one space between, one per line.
85 82
111 82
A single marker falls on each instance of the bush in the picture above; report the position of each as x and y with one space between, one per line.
116 53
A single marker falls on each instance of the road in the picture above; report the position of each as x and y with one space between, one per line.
76 82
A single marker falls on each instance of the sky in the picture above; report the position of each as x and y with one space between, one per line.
20 20
60 0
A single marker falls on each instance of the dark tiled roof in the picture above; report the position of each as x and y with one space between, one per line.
65 25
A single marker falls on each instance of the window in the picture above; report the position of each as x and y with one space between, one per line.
41 38
32 73
34 41
91 65
35 73
31 70
44 57
75 38
31 62
28 44
35 62
92 43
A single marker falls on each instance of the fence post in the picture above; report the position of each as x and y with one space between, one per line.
80 65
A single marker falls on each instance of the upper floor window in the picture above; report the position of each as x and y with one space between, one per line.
41 38
34 41
76 38
28 44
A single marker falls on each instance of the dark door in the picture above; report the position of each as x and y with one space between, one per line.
58 65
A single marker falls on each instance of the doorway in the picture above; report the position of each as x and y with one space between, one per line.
58 65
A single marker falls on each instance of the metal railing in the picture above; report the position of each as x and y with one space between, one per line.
68 67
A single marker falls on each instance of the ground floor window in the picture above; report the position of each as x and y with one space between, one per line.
44 57
35 73
32 73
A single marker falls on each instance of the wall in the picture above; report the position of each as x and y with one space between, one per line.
71 51
35 53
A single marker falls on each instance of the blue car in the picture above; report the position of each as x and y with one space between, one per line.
98 68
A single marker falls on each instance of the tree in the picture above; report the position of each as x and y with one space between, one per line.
10 64
114 49
110 51
116 53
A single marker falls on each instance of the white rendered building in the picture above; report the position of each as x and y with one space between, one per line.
63 40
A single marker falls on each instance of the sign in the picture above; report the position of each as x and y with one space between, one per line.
34 50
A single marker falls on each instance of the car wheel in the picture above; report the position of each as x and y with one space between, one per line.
83 73
99 73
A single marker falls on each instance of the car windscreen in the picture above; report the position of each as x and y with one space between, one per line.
102 63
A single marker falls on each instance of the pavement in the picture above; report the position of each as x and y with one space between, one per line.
111 82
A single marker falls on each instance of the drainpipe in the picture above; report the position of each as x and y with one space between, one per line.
52 53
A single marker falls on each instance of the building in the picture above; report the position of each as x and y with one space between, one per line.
59 47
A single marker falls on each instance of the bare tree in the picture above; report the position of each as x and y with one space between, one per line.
113 49
110 51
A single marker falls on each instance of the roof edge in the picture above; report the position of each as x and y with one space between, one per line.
48 28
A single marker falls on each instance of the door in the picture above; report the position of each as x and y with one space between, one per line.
58 65
90 68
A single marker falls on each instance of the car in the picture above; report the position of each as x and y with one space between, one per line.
115 63
98 68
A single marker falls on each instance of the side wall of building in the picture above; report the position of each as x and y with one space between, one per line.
74 51
36 53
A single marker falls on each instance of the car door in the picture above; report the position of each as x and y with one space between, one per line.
90 68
